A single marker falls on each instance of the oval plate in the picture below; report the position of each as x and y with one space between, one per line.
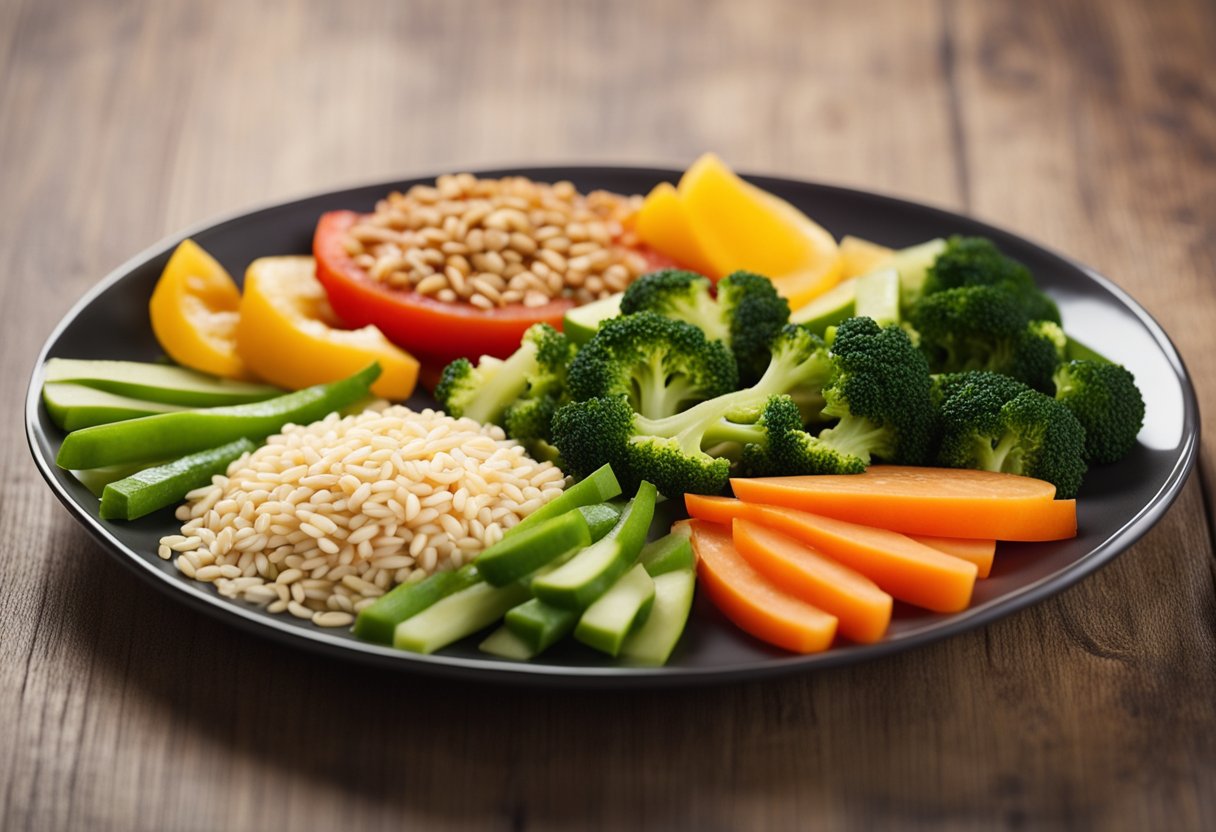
1117 504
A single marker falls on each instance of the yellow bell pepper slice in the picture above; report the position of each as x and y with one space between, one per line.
289 335
662 223
859 256
194 312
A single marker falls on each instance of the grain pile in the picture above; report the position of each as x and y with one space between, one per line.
324 518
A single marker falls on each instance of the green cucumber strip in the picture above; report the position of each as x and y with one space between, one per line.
581 322
599 486
539 625
96 479
157 382
651 644
1076 351
163 485
171 435
378 621
667 554
913 265
878 296
74 406
457 616
600 518
832 307
506 645
607 621
588 574
519 555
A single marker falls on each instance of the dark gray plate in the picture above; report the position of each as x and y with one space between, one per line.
1117 505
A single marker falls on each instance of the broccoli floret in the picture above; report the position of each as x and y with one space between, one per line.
1037 352
661 365
976 261
746 314
516 393
993 423
1106 402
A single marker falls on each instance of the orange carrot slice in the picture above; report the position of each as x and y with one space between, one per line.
753 603
864 610
948 502
979 552
908 570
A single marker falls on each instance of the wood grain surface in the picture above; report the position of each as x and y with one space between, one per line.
1088 126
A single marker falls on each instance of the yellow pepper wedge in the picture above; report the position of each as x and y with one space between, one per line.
859 256
194 312
662 223
289 335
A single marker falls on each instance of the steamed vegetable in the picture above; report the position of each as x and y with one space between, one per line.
156 382
1105 400
163 485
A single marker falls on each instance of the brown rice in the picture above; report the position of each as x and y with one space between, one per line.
324 518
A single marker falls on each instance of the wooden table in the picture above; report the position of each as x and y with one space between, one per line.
1088 126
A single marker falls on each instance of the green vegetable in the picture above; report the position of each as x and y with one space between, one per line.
156 382
652 643
506 645
600 518
581 322
913 265
520 393
598 486
163 485
878 296
667 554
378 621
519 555
539 625
610 617
1076 351
456 616
1106 402
96 479
830 308
745 315
976 261
588 574
659 365
74 406
170 435
991 422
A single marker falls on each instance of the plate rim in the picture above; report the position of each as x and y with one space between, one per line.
253 620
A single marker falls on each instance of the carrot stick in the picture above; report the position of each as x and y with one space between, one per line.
910 571
979 552
946 502
752 602
864 610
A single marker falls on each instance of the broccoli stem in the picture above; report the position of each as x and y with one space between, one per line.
1003 457
858 436
504 386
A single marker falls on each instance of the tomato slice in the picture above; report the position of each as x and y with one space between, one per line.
434 331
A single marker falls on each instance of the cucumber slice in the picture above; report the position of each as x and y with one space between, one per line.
581 322
163 485
378 621
878 296
540 625
651 644
506 645
600 518
156 382
520 555
913 265
74 406
667 554
457 616
597 487
606 622
830 308
588 574
1076 351
96 479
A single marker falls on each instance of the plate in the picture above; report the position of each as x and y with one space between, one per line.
1117 504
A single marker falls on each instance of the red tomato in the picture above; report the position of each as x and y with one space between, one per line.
435 332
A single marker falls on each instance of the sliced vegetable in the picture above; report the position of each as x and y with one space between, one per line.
858 256
600 485
539 625
946 502
378 621
663 224
581 322
519 555
863 610
194 313
156 382
577 583
170 435
829 308
165 485
289 335
653 642
600 518
96 479
434 331
751 601
606 623
913 264
74 406
908 570
878 296
506 645
668 553
979 552
457 616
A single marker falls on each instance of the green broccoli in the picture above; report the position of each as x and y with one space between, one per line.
976 261
746 314
1106 402
985 328
991 422
520 394
661 365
